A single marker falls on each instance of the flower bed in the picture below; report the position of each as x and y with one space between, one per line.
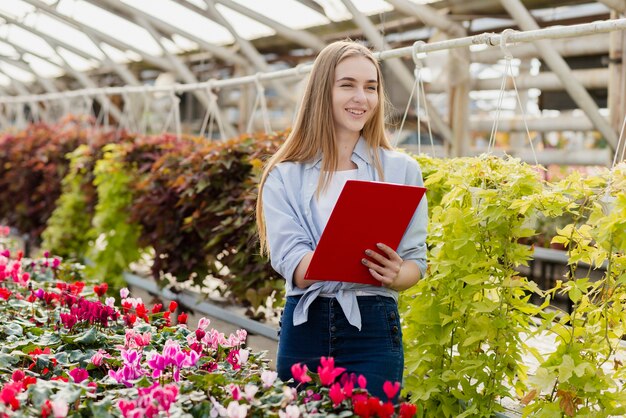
71 349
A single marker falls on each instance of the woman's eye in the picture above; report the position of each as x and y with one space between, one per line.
372 88
346 85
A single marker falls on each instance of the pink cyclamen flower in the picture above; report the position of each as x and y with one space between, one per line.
204 323
328 372
79 374
124 293
60 408
98 358
234 390
362 381
391 389
291 411
336 394
249 391
235 410
299 373
268 378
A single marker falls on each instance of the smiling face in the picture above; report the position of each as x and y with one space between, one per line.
354 95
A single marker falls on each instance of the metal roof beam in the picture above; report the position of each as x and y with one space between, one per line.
299 36
248 50
125 10
47 37
558 65
46 83
313 5
429 16
396 66
121 70
23 51
182 70
158 61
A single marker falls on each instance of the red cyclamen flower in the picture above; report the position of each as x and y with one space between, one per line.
299 373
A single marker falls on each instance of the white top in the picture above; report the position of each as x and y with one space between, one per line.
327 199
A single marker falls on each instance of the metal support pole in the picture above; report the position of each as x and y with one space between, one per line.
617 81
578 93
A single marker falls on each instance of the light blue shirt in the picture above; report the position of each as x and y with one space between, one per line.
293 225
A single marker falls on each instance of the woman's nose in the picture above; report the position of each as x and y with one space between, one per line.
359 95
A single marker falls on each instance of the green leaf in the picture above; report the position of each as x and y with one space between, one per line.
12 329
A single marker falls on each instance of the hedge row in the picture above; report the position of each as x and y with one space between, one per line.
109 197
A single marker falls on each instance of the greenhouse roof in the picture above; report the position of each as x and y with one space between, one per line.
46 39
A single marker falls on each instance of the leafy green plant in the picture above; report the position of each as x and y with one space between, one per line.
69 350
116 237
65 234
464 321
584 376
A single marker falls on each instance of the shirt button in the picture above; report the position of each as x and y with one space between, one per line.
393 315
394 329
333 328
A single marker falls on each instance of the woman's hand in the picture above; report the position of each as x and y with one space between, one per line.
390 269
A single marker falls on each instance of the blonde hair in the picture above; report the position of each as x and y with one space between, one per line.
311 135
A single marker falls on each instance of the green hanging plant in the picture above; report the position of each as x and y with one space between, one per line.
115 237
463 322
65 234
584 375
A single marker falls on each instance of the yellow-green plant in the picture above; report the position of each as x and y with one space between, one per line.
583 376
66 231
463 323
115 245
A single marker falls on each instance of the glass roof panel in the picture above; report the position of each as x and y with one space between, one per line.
336 10
288 12
7 50
58 30
76 62
243 25
15 72
184 18
113 25
25 39
42 67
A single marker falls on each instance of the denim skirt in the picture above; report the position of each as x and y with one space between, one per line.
374 352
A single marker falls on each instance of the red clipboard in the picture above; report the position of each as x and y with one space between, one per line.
366 213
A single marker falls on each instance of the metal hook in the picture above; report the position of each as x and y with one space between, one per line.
504 36
417 50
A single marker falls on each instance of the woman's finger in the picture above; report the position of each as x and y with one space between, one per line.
384 280
380 259
392 255
371 265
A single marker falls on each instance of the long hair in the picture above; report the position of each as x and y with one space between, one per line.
313 132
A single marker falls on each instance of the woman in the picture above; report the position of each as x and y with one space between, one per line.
338 135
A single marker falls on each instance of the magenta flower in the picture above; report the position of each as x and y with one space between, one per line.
336 394
151 402
79 374
131 369
328 372
299 373
391 389
174 356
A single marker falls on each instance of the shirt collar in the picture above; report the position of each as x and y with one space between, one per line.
360 149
